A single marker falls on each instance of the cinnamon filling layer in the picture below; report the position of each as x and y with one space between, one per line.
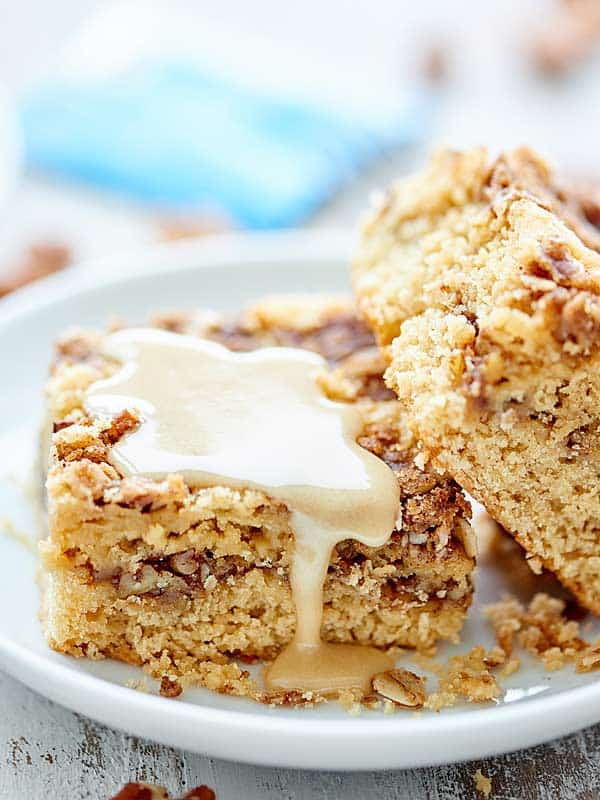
258 420
190 573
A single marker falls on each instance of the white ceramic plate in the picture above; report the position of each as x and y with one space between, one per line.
536 706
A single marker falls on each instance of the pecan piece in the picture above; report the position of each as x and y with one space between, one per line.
200 793
185 563
123 423
145 580
141 791
402 687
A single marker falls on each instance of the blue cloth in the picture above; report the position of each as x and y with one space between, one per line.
176 135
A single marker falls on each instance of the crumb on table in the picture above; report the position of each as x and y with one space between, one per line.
38 261
482 783
173 229
567 38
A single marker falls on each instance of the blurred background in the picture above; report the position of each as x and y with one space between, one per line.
130 122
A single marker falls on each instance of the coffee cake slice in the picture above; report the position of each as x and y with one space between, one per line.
191 583
482 282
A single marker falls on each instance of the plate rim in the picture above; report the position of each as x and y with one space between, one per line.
510 725
212 251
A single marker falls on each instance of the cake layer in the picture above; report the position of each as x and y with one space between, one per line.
202 635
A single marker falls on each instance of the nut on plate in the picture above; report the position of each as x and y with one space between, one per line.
402 687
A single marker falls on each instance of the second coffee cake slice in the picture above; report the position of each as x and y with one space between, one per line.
482 282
